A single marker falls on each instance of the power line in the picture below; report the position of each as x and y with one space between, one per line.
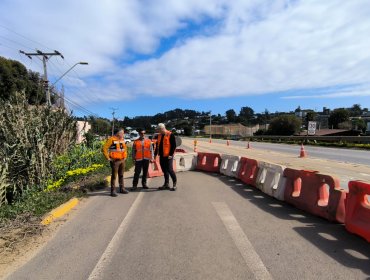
15 42
76 88
20 35
74 104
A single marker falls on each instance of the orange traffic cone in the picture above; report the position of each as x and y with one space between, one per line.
228 142
248 146
303 152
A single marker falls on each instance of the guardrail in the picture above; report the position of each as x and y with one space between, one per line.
344 139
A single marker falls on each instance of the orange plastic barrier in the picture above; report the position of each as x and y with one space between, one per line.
358 209
315 193
155 169
248 171
209 162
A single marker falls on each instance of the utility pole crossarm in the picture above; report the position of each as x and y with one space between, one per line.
45 58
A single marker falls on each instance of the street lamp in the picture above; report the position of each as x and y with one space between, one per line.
82 63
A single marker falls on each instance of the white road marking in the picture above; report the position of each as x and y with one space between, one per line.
364 174
241 241
110 251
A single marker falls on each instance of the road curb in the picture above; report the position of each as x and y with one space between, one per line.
60 211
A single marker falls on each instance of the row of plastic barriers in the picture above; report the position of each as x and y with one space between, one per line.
183 161
311 191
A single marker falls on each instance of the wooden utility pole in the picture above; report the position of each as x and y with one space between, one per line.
113 113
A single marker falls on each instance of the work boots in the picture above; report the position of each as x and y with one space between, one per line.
164 187
113 192
123 190
174 188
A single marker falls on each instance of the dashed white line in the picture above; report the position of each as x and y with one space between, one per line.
110 251
242 242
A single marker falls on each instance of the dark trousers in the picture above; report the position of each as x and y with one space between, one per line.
167 169
118 168
140 165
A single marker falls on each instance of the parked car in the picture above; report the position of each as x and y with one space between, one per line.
127 139
134 135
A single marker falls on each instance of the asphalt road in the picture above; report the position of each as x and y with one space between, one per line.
337 154
213 227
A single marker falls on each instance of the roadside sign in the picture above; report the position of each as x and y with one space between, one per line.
311 128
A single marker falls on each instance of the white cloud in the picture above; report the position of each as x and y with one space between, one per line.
258 46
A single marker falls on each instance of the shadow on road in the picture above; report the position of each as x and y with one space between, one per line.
348 249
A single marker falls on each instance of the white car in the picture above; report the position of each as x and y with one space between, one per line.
127 139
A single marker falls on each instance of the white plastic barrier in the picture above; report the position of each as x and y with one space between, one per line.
185 161
270 179
230 165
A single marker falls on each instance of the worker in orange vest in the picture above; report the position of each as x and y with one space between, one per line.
142 154
115 151
165 148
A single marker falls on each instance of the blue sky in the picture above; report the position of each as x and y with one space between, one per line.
147 57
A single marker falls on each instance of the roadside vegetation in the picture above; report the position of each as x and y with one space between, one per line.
41 166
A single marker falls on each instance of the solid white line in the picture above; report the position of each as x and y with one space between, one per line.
241 241
110 251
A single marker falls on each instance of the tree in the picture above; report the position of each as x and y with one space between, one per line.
14 77
246 113
285 125
188 130
338 116
263 118
356 110
359 124
231 115
310 116
100 126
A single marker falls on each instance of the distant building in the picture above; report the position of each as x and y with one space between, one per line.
231 130
82 128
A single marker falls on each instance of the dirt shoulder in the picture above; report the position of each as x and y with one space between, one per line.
23 237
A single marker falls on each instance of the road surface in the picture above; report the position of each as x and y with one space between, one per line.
345 171
337 154
212 227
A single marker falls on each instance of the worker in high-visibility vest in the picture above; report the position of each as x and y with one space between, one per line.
142 155
165 148
115 151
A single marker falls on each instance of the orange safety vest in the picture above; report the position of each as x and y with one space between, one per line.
166 143
118 149
143 151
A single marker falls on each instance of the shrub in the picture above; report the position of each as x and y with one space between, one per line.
30 139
